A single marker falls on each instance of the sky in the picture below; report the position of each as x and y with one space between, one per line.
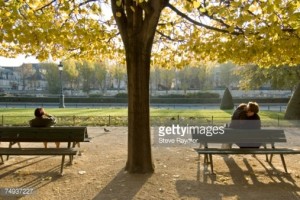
19 60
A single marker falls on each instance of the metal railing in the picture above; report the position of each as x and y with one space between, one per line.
154 121
268 107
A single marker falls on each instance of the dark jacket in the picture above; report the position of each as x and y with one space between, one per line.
252 122
44 121
237 118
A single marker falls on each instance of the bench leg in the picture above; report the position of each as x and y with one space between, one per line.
71 159
205 159
265 147
198 167
2 161
283 162
62 164
74 144
10 145
71 156
211 163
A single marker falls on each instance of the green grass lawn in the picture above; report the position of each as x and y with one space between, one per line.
118 116
123 112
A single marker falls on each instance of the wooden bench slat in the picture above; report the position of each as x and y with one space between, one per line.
13 135
37 151
45 134
247 151
243 136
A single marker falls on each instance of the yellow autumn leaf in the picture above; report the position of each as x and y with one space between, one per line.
196 4
119 3
202 10
118 14
132 8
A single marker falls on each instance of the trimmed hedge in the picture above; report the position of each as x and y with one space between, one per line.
261 100
227 101
192 95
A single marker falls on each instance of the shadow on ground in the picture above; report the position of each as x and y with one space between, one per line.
244 184
123 183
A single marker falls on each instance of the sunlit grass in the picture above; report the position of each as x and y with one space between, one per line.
118 116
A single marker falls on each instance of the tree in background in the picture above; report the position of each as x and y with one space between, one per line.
86 69
166 79
281 77
184 76
71 74
25 71
101 75
52 77
227 76
227 101
261 32
154 79
118 73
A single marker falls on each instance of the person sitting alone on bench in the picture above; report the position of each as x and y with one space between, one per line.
252 121
42 119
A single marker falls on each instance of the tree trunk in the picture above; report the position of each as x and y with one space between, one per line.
139 141
137 28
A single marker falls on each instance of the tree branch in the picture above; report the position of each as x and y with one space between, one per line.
121 20
48 4
178 12
167 37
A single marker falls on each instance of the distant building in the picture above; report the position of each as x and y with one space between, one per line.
24 77
8 78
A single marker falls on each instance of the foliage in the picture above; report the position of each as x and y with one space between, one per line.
118 73
122 95
86 69
191 95
203 95
227 101
167 76
71 73
52 77
100 75
226 75
243 31
282 77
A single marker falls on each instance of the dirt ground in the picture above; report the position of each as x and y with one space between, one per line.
98 173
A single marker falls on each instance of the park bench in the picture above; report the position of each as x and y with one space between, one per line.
267 137
69 135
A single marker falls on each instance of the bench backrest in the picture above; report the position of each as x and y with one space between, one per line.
243 136
47 134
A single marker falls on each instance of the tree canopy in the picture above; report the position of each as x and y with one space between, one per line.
265 32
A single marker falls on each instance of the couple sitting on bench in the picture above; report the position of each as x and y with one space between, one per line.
246 117
42 119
